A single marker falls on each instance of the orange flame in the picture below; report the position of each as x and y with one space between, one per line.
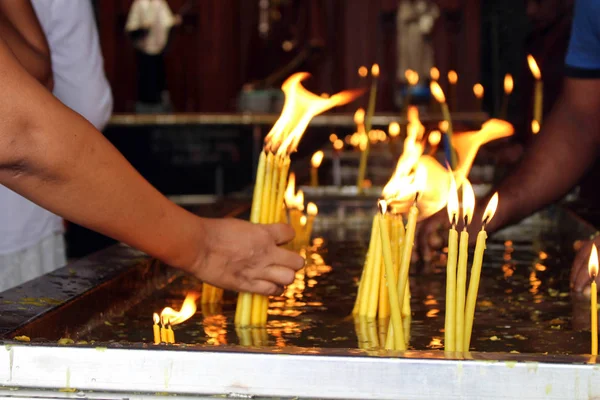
535 127
303 220
155 318
434 138
333 137
363 71
452 77
401 188
375 70
290 191
468 201
490 210
478 90
312 209
533 66
443 125
593 262
412 77
508 84
317 159
338 145
188 309
299 108
299 200
437 92
394 129
434 74
452 201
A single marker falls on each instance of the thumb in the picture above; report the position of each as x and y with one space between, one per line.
281 233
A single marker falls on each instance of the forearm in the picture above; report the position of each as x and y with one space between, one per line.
33 56
57 159
555 162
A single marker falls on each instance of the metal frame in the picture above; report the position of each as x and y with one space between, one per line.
305 373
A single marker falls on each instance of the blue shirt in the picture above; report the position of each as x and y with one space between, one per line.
583 55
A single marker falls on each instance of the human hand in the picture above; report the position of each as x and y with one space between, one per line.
245 257
580 276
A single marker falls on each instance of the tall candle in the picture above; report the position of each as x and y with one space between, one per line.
438 93
434 76
315 163
508 88
163 331
478 91
450 320
476 271
463 258
338 146
362 170
593 269
453 80
390 278
538 91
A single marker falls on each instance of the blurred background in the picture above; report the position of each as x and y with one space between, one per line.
190 113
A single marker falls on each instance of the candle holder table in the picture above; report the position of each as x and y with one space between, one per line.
529 333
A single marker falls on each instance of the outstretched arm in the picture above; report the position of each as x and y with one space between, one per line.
21 30
54 157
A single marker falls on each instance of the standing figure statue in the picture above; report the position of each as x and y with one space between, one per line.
415 21
149 24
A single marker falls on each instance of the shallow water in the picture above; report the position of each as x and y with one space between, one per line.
524 304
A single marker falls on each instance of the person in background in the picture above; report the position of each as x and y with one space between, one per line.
561 153
31 238
149 24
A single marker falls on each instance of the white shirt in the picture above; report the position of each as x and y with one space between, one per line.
157 18
80 83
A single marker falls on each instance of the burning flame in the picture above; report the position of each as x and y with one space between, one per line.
593 262
412 77
317 159
382 206
155 318
452 77
312 209
508 84
468 201
290 191
303 221
188 309
443 125
434 138
299 108
490 210
437 92
375 70
434 74
452 201
394 129
299 200
338 144
401 189
363 71
535 127
533 66
478 90
333 137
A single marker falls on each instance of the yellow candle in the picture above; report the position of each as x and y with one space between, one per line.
311 210
438 94
539 89
409 239
593 269
362 169
163 331
315 162
156 328
370 291
450 320
478 91
463 258
508 88
362 300
170 334
476 271
453 80
390 278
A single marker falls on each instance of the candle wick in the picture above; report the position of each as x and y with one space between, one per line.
466 222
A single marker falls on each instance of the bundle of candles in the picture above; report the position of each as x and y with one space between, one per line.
299 108
384 290
460 304
169 317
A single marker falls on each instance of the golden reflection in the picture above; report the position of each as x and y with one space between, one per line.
540 267
543 255
508 243
535 283
508 270
430 302
432 313
436 343
215 324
